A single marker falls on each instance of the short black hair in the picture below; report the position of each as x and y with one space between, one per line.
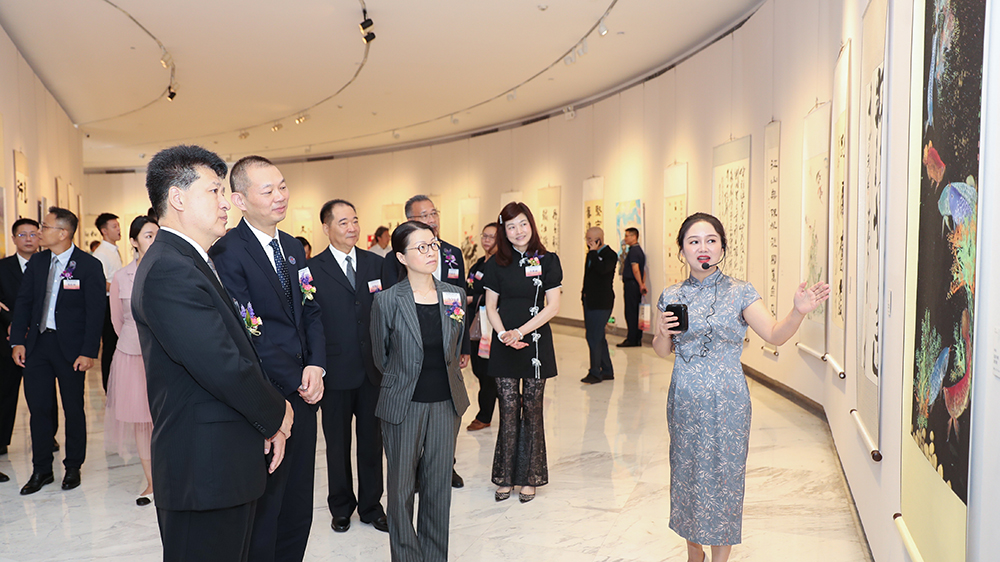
326 213
137 223
66 217
302 240
415 199
632 230
103 219
176 166
380 231
238 179
21 222
401 236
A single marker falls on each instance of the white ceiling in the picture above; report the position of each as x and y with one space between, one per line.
246 64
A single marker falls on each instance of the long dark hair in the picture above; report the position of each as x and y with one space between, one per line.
137 223
505 250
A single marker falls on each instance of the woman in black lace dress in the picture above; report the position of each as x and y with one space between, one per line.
522 294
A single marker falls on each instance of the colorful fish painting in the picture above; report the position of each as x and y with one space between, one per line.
935 166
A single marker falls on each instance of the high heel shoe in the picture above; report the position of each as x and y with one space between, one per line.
501 496
144 500
525 498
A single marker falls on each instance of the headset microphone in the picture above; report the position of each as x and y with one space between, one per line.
711 265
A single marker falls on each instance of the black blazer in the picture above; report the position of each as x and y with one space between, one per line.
285 345
79 312
347 317
10 284
393 272
399 349
598 279
212 407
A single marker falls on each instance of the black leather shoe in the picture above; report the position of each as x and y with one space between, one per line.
606 377
3 450
627 343
591 379
55 446
382 524
36 482
4 477
456 480
72 479
341 524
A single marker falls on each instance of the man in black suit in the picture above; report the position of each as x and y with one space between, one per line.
346 279
598 300
261 265
634 283
451 269
215 415
56 335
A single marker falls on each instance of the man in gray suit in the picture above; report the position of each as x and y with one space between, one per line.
417 329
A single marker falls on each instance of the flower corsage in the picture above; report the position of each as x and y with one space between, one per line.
456 312
305 283
250 320
70 268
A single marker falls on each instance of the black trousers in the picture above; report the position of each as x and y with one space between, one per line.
487 387
44 366
218 535
10 388
283 516
597 340
339 407
109 341
633 296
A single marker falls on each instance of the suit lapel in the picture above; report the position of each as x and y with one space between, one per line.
259 257
408 309
293 273
332 268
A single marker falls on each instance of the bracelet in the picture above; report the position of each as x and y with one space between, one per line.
500 335
518 330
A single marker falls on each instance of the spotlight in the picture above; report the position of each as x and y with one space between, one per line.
166 59
570 59
395 134
171 92
244 134
581 49
365 25
276 127
301 119
602 29
569 113
512 95
454 120
368 38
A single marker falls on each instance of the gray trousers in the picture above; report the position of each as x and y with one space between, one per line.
422 448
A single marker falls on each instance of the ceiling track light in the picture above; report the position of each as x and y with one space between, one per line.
569 113
581 49
454 120
301 119
602 29
570 59
244 134
368 38
512 95
276 127
367 35
395 134
171 92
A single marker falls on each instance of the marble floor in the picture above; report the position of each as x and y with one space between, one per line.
607 501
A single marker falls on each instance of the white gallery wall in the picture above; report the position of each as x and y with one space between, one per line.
778 66
34 124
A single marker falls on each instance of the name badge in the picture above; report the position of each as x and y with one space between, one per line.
304 273
533 271
72 284
375 286
450 298
479 275
452 274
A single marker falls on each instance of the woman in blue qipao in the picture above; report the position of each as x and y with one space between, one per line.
708 404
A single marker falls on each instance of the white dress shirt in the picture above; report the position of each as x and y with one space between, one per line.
22 262
265 242
111 260
376 249
341 258
63 260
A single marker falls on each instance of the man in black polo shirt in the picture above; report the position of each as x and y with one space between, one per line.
633 268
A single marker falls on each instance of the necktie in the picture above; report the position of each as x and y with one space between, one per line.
351 277
47 302
279 264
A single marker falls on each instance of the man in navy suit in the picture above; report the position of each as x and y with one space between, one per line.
56 335
346 279
451 269
261 265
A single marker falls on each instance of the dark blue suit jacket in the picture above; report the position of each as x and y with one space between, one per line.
347 317
286 345
79 312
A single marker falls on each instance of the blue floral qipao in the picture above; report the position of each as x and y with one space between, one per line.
708 410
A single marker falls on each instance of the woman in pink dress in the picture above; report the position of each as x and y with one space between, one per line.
128 426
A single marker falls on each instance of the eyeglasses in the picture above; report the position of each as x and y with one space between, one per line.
487 236
45 226
426 248
424 216
23 235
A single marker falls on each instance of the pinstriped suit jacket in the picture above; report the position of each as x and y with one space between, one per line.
399 350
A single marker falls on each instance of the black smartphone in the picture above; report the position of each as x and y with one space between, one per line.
681 312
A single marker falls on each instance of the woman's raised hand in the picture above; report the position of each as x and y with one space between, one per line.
668 321
806 300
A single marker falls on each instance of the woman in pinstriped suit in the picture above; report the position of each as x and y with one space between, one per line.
417 328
